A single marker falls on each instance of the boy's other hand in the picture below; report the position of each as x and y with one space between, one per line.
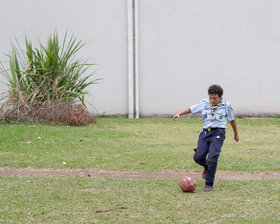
176 116
236 138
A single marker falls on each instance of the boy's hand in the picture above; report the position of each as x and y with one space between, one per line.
186 111
176 116
236 137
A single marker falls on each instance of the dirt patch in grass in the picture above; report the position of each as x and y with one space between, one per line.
220 175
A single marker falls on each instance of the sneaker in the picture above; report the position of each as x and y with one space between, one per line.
208 188
204 173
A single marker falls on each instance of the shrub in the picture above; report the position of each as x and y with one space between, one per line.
47 83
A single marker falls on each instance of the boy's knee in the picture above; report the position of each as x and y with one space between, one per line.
198 159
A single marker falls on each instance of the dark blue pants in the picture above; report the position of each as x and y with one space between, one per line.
209 142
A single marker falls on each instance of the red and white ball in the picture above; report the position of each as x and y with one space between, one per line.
188 184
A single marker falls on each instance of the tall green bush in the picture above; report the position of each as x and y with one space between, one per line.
48 75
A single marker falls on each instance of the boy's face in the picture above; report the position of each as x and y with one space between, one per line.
214 99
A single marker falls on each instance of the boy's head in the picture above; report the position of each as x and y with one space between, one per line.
215 93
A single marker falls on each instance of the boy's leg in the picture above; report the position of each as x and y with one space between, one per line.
202 150
216 143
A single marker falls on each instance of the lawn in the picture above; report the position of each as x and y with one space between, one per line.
112 200
140 145
144 145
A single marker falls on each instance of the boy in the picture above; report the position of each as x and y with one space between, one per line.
214 111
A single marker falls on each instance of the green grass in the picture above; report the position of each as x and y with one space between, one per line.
76 200
144 145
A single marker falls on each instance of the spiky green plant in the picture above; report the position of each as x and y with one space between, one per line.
48 73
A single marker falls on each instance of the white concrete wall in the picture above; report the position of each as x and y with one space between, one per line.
99 23
185 46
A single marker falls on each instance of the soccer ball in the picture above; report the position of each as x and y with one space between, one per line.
188 184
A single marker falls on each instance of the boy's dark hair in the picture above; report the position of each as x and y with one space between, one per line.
215 89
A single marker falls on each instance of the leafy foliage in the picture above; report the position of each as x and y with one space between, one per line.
48 75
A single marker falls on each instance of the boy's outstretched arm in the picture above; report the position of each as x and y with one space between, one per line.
234 127
186 111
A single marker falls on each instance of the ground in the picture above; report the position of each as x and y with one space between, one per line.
220 175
